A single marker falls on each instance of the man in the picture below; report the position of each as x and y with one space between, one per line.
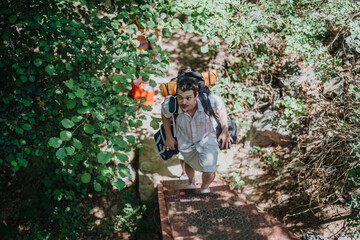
195 131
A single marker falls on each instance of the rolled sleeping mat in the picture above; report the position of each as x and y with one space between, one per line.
169 88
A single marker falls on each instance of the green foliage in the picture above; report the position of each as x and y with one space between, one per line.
294 108
258 28
354 174
237 99
132 214
130 219
233 94
269 158
67 67
238 183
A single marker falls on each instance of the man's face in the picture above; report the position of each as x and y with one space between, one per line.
186 100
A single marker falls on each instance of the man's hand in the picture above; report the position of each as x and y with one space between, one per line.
170 143
225 138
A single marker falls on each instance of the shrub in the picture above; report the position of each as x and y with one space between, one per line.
67 67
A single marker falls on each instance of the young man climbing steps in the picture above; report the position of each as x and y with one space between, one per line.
195 129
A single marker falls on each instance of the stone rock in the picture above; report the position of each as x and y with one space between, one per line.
113 211
128 180
152 169
333 87
312 236
293 78
344 238
267 132
289 79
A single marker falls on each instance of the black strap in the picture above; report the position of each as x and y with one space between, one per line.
213 114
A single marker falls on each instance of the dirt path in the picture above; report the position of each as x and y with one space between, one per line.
275 194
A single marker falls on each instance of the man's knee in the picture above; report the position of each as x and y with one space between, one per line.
187 166
209 174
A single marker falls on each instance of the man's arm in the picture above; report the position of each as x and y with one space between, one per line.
224 135
170 141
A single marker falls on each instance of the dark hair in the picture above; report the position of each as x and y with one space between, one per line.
186 84
185 70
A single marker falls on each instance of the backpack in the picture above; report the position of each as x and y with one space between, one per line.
160 137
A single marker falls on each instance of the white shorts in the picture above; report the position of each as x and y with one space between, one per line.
207 159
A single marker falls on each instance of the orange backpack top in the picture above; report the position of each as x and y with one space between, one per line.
170 87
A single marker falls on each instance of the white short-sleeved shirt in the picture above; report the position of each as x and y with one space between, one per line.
193 132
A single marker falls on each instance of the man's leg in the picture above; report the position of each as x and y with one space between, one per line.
207 178
190 172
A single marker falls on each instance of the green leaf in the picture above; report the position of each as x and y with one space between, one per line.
83 110
77 143
85 177
152 83
116 88
70 83
23 78
204 49
124 171
166 32
97 187
70 104
50 69
23 162
70 151
61 153
117 65
37 62
154 124
67 123
188 28
76 118
12 19
55 142
153 38
26 127
121 157
19 130
69 67
131 139
65 135
89 129
117 77
80 92
106 172
81 33
104 157
118 183
14 163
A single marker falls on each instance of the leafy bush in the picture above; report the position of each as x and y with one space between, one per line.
294 108
234 95
67 68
